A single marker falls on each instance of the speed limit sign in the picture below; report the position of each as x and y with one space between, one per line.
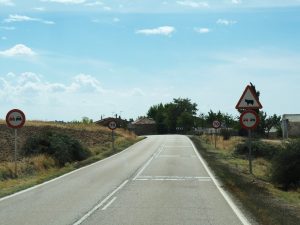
112 125
216 124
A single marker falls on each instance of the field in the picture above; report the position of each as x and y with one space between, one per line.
39 168
267 203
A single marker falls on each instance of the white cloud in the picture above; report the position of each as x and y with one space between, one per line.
116 20
236 1
164 30
107 8
226 22
94 3
18 50
41 9
203 30
193 4
85 83
21 18
7 28
66 1
82 96
136 92
7 2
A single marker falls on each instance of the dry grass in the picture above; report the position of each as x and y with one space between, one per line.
36 169
75 126
227 145
26 166
269 204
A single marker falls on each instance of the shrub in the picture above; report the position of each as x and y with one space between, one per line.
225 134
58 145
286 166
259 149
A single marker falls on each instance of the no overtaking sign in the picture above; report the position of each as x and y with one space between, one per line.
15 118
249 119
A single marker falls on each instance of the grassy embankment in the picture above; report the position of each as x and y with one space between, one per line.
267 203
37 169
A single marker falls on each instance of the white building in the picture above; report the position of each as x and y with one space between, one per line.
290 125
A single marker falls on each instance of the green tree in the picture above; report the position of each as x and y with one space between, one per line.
169 116
157 112
266 123
272 121
86 120
186 121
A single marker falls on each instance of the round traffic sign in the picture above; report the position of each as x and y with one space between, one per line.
15 118
249 119
216 124
112 125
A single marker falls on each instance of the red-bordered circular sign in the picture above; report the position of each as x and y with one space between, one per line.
216 124
249 119
15 118
112 125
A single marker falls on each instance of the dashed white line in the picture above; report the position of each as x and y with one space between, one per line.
68 174
108 204
88 214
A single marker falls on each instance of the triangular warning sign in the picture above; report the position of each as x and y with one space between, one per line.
248 100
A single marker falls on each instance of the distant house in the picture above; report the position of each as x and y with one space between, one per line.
120 122
290 125
143 126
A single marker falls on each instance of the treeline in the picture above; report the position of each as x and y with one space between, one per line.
180 116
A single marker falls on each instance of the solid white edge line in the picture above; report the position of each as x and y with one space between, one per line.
67 174
108 204
89 213
235 209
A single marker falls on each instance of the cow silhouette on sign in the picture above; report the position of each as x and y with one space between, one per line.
249 102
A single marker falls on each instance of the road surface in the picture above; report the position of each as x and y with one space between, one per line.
160 180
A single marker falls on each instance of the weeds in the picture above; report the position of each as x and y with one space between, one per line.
260 198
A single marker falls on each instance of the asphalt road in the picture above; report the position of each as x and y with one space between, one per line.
160 180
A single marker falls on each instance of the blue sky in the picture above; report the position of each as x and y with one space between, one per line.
65 59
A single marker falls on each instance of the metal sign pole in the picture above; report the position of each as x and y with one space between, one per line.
16 152
250 151
113 139
215 138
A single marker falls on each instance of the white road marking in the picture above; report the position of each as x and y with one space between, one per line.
67 174
169 156
156 154
178 146
172 178
108 204
88 214
181 156
235 209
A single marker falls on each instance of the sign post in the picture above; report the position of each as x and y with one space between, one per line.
216 125
249 119
112 125
15 119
